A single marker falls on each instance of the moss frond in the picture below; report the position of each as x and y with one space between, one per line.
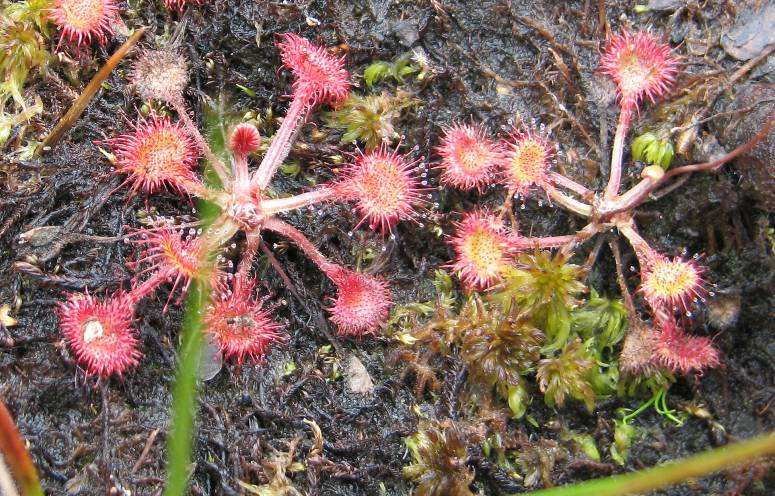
23 48
547 287
567 376
601 318
369 119
500 348
439 458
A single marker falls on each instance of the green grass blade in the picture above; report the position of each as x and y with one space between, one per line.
669 473
184 400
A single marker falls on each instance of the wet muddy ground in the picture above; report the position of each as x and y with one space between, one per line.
489 61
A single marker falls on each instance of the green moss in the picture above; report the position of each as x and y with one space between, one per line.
498 349
439 458
568 376
601 318
23 46
546 287
653 150
369 119
397 70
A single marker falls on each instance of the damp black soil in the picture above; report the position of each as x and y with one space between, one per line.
488 61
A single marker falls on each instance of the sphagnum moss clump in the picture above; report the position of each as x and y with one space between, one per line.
567 376
439 461
500 348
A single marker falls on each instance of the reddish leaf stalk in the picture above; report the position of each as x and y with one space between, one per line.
281 142
283 228
571 204
642 249
569 184
279 205
520 243
615 177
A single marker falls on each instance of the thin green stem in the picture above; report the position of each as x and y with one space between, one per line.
661 407
628 418
184 397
